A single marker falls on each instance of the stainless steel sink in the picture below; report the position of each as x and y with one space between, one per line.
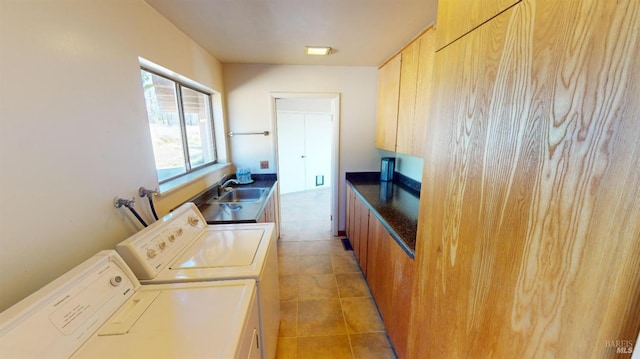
243 195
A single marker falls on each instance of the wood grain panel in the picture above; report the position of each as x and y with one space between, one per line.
529 231
407 98
350 215
423 93
380 268
390 277
387 115
398 323
355 239
373 268
362 218
458 17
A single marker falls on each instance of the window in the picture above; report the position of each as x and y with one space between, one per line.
181 125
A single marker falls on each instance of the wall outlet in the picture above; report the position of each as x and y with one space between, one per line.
264 165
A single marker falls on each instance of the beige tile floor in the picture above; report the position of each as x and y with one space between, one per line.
327 309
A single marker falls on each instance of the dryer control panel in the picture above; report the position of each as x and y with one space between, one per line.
151 250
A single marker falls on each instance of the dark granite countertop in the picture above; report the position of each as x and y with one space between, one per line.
235 212
394 204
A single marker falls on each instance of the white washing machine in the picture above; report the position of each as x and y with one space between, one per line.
100 310
181 247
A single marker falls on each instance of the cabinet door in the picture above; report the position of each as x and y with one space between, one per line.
355 238
407 98
458 17
379 267
390 277
350 214
415 92
267 215
387 116
363 233
270 213
398 323
423 93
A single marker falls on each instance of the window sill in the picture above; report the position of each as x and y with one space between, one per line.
183 181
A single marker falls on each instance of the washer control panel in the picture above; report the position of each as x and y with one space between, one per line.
152 249
56 320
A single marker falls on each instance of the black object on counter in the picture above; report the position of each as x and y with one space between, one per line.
387 166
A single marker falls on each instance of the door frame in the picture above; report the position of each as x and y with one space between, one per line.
335 143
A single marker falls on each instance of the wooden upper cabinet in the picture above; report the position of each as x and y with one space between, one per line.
407 99
388 92
415 93
403 97
424 91
457 17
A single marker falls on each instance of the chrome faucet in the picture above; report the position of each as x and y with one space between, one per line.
226 183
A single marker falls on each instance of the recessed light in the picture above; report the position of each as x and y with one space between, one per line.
317 50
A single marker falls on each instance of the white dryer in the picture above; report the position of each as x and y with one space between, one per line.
181 247
100 310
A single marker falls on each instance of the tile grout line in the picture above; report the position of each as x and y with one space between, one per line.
344 317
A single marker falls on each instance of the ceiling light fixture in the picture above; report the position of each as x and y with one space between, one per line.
316 50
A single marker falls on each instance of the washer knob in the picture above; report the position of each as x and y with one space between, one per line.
162 245
193 220
116 280
179 231
172 237
151 253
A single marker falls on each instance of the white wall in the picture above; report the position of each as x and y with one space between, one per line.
73 130
249 109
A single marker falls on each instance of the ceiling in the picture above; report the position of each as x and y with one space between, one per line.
360 32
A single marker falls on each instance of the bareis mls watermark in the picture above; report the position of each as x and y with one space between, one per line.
619 346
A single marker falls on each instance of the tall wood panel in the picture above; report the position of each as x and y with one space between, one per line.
529 231
456 17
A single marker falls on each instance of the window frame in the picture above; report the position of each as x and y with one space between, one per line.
178 85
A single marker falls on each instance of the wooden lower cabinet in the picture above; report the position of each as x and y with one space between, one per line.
390 277
387 268
362 220
357 227
270 213
351 196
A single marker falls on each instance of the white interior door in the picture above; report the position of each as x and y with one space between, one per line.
291 152
304 146
317 142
